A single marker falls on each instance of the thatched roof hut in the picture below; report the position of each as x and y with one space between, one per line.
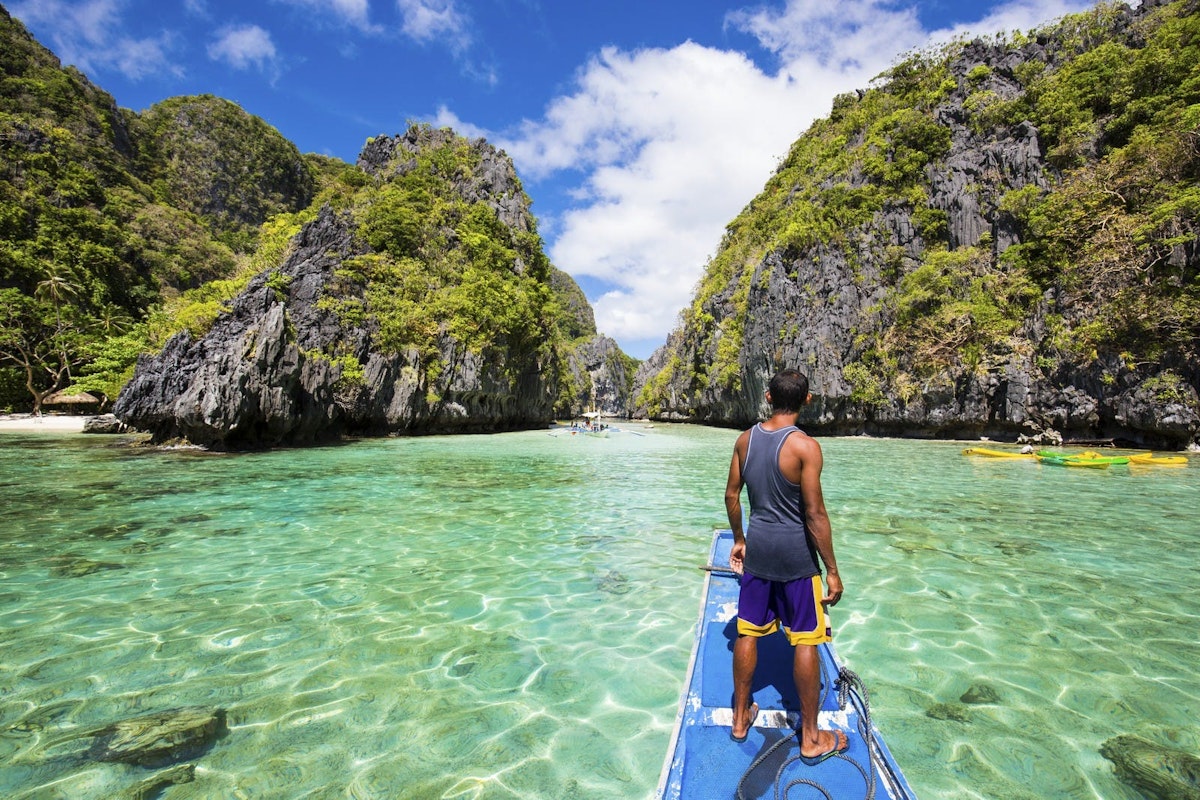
61 398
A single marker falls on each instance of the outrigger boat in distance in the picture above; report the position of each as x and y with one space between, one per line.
704 762
589 424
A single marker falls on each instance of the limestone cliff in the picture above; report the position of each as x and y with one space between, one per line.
998 238
598 377
423 306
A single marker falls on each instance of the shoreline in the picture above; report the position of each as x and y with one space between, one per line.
47 423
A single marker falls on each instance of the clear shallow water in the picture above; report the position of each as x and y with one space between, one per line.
511 616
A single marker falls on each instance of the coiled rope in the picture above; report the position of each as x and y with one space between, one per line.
850 688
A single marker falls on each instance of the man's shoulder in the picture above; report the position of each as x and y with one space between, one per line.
801 442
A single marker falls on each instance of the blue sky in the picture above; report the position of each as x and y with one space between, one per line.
639 127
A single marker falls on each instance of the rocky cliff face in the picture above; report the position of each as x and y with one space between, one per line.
603 375
492 180
221 163
283 367
848 306
260 377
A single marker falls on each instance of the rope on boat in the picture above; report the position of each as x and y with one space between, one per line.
850 687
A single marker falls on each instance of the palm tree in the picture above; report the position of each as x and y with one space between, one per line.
56 287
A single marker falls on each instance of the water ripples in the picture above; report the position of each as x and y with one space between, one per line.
511 616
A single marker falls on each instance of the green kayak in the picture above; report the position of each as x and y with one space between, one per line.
1091 457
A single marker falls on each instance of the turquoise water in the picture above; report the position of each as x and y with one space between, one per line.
511 616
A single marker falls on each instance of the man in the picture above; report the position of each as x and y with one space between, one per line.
780 466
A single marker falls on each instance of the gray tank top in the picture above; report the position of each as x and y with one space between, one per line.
778 547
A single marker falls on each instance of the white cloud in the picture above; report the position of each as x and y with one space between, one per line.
88 35
243 47
355 13
1019 15
843 36
673 143
435 20
445 118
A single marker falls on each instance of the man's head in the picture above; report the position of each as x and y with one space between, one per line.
787 391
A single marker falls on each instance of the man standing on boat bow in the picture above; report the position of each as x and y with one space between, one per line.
780 466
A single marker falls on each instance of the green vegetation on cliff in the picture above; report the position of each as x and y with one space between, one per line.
187 140
104 214
1100 247
442 265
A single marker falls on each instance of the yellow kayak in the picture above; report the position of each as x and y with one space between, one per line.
1159 461
983 451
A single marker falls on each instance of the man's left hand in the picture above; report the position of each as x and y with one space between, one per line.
833 589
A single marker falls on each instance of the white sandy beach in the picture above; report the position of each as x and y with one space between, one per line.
47 423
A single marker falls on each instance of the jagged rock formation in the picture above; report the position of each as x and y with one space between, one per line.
986 244
260 376
598 375
121 212
310 351
492 180
176 208
603 375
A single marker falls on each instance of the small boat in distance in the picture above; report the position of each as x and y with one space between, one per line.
1087 458
1159 461
704 762
1063 460
991 453
590 423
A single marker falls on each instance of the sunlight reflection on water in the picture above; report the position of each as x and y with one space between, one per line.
511 616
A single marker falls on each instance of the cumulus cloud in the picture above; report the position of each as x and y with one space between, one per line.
672 143
243 47
89 35
445 118
843 37
438 21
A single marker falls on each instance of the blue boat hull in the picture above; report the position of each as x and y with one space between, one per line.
704 762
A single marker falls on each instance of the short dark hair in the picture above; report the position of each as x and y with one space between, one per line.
789 391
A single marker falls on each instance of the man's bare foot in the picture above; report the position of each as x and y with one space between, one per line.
742 722
829 743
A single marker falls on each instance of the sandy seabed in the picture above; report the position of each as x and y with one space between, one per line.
47 423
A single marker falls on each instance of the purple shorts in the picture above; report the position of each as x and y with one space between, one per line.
765 606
